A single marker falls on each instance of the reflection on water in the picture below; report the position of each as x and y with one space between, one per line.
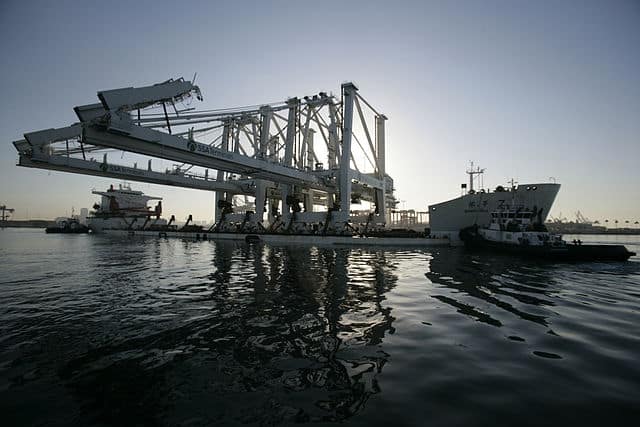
272 332
98 330
533 296
493 280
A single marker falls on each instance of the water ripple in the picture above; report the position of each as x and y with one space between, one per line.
98 330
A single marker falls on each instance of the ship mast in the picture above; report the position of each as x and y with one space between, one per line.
471 172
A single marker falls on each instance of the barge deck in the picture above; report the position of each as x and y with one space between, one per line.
287 239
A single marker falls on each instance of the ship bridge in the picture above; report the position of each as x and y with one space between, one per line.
308 159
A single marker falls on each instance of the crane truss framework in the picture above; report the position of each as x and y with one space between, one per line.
270 152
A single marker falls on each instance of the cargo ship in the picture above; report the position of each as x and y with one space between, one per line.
446 219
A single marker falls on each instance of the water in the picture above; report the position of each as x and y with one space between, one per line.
119 331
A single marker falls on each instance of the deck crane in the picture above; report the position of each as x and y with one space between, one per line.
270 152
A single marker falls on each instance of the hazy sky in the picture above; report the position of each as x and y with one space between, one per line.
526 89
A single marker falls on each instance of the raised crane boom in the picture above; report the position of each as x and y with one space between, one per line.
129 99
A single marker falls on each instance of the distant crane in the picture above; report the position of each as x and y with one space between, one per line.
558 219
5 214
581 219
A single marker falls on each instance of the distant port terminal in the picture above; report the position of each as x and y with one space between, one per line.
583 225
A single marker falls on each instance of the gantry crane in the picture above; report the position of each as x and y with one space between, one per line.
269 152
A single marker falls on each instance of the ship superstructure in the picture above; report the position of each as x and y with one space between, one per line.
124 209
125 202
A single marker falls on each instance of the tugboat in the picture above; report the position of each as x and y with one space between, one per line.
520 231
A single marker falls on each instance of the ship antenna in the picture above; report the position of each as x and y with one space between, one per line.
471 172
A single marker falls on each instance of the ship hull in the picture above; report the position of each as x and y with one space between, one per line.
66 230
103 224
446 219
289 239
558 253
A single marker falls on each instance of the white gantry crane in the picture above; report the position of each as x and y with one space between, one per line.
272 153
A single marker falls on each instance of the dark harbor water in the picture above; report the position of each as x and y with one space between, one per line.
109 331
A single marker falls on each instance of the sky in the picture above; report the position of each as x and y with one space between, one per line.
535 91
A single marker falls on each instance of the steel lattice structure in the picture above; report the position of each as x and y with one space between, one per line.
304 161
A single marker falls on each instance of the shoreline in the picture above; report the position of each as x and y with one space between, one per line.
44 223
